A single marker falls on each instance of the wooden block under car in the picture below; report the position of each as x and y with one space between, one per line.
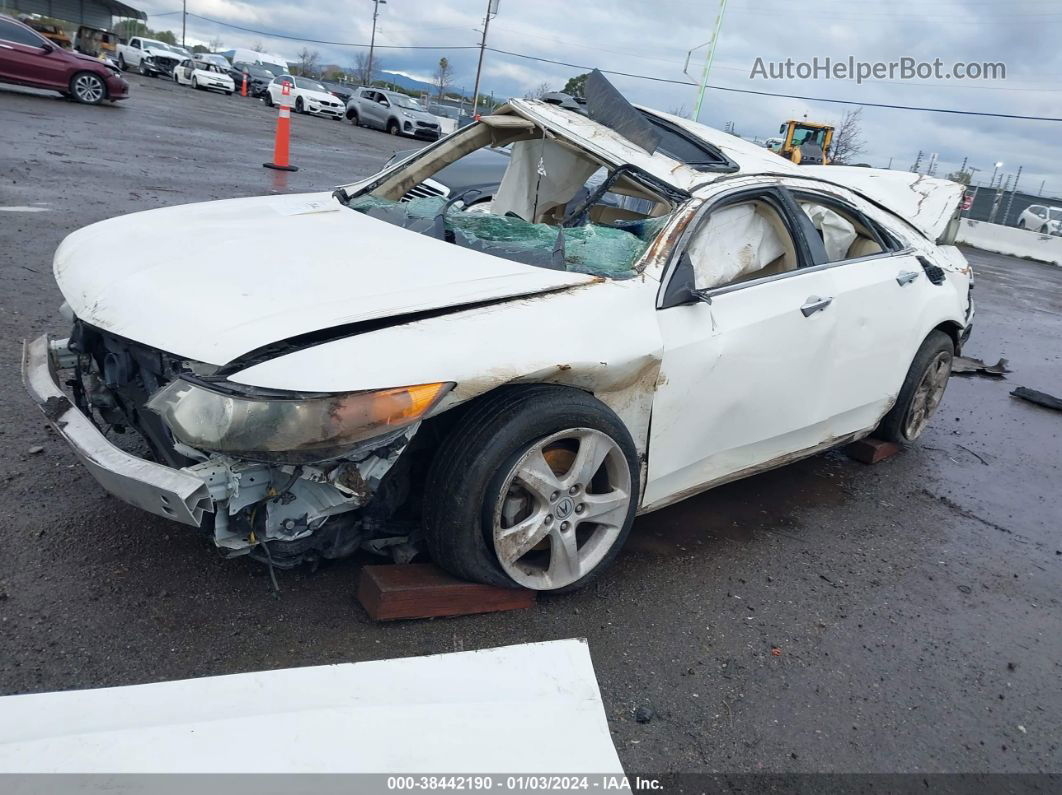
423 590
871 451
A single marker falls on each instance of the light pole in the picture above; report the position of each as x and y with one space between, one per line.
707 61
492 11
184 19
372 40
992 181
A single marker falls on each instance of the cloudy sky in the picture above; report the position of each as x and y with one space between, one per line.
651 37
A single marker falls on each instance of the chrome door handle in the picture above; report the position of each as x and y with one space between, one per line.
815 304
906 277
7 46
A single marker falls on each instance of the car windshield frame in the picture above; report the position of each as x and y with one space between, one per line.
401 100
314 87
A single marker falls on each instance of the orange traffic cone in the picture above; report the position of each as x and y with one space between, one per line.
243 88
280 144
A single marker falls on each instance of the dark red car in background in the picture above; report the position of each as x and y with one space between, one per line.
29 59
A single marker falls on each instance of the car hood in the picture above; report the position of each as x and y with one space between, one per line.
215 280
310 93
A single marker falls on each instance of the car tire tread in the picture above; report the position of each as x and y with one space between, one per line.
464 467
891 427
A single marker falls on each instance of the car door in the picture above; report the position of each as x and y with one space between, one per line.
27 57
744 366
135 52
879 291
369 109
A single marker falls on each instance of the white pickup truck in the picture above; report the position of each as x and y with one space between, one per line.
148 56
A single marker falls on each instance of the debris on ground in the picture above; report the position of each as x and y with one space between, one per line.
644 714
966 365
35 449
1037 397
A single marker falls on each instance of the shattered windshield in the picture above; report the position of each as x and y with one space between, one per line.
594 249
506 187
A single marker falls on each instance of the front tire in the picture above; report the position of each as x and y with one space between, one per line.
393 128
1021 223
121 63
921 392
88 88
353 118
267 98
298 105
535 486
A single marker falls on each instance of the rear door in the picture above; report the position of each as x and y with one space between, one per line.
879 292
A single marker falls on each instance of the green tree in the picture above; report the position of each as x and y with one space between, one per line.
960 176
576 86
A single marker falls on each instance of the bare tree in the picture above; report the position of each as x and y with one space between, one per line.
306 65
680 110
848 137
444 77
361 68
538 91
258 47
215 44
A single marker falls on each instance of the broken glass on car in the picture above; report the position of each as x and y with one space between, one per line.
555 205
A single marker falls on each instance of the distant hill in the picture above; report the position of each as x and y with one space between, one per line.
405 82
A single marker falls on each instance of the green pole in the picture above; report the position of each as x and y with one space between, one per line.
708 60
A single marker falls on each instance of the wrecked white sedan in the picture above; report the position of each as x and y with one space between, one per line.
650 308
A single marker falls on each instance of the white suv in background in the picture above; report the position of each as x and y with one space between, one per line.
1038 218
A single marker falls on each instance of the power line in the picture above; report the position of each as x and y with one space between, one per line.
652 78
785 96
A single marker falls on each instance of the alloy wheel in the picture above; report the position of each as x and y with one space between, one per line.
88 89
928 395
562 507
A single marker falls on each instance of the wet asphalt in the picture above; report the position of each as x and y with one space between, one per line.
824 617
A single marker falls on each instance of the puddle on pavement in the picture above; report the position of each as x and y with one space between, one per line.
772 501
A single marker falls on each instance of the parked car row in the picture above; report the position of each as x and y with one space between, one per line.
27 57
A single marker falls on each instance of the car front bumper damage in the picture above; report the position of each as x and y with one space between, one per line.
300 511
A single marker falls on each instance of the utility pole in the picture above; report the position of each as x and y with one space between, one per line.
1042 183
372 40
492 11
707 61
184 19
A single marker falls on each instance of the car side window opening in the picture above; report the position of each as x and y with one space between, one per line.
740 242
843 234
553 208
20 35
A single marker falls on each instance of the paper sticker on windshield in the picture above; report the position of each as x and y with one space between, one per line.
308 207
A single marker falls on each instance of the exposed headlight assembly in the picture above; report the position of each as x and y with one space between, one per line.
288 428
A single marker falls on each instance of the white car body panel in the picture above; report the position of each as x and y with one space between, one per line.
264 269
927 203
203 78
309 97
434 714
708 392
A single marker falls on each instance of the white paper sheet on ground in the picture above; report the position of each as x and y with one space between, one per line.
530 708
541 175
736 241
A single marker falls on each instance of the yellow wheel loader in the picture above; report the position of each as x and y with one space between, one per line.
805 142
